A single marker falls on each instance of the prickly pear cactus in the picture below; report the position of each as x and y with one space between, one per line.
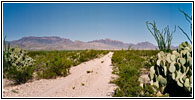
18 65
18 59
175 66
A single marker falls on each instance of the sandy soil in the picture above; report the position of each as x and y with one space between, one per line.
78 84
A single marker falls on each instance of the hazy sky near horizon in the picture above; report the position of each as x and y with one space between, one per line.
90 21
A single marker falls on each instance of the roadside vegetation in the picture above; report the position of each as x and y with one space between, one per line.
50 64
127 65
21 66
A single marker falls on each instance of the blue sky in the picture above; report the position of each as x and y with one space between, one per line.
90 21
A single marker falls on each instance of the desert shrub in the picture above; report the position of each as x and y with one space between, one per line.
129 87
57 67
129 64
52 64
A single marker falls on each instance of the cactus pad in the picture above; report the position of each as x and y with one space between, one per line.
182 61
172 67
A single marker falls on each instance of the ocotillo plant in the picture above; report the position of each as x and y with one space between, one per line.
130 47
189 19
5 46
162 38
6 53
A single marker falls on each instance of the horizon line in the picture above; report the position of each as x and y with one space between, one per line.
85 41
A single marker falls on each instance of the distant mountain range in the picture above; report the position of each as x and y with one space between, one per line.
57 43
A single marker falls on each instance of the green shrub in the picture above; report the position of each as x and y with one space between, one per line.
148 91
127 66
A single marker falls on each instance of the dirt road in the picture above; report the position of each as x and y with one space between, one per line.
89 79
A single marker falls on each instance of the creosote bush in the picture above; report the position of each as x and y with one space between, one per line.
127 65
